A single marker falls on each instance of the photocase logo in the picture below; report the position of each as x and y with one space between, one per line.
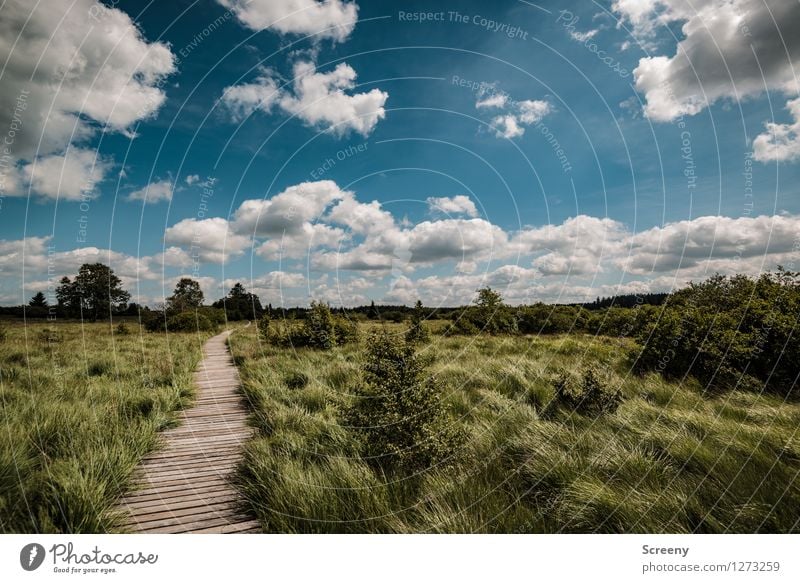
31 556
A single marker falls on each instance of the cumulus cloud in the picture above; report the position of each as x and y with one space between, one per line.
211 240
582 37
491 101
158 191
577 246
243 100
781 141
511 115
83 65
289 210
454 205
192 179
334 19
731 49
69 176
714 243
321 100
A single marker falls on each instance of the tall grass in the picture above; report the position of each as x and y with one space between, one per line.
80 404
669 459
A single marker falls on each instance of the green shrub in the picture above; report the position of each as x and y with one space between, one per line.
3 334
263 326
296 380
215 315
728 332
122 329
399 413
49 336
586 393
189 322
461 326
489 315
153 320
319 326
346 331
99 368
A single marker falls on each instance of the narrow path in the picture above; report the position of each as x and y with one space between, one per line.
185 486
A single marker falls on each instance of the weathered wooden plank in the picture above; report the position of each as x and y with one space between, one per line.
185 486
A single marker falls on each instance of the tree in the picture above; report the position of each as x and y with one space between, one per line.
96 292
399 413
69 301
187 296
492 315
417 331
38 301
239 304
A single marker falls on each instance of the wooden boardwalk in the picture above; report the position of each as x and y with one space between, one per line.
185 486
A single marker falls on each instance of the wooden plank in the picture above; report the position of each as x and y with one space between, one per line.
185 486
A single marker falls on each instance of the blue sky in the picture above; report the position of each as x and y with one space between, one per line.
353 151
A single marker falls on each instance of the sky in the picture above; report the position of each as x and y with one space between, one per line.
351 151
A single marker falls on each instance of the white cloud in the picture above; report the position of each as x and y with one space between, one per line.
69 176
319 99
582 37
577 246
455 205
211 240
491 101
70 67
154 192
192 179
513 115
713 243
459 239
732 49
781 141
173 257
245 99
334 19
361 218
289 210
531 110
507 126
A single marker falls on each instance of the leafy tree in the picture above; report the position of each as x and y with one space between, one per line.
38 301
186 296
417 330
239 304
69 301
399 413
96 292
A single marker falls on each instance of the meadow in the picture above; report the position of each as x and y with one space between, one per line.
80 404
673 457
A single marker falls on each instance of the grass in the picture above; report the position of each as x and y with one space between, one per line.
81 404
670 459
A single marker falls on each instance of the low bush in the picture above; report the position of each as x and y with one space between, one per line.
586 393
320 329
728 332
49 336
296 380
345 331
320 326
189 322
122 329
